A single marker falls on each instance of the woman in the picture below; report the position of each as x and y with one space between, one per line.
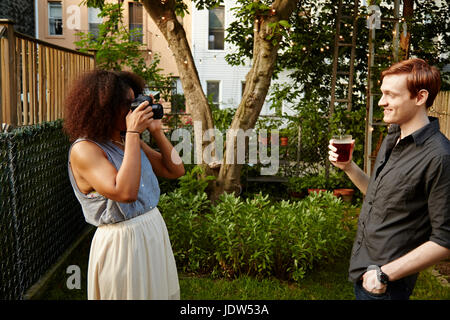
112 172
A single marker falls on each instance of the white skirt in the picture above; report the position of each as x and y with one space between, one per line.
133 260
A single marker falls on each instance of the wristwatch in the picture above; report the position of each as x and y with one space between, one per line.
381 276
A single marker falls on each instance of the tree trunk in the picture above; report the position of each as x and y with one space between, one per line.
256 87
257 81
163 14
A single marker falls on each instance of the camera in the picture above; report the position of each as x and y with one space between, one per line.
158 111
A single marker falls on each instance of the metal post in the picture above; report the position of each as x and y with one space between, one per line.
396 31
299 142
369 107
352 55
335 59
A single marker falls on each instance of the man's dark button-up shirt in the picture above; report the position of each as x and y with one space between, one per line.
407 201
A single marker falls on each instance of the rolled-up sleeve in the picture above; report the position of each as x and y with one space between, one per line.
439 202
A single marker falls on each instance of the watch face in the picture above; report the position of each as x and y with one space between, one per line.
384 278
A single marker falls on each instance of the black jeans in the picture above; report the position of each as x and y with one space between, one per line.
397 290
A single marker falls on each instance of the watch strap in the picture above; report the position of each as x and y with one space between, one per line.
381 276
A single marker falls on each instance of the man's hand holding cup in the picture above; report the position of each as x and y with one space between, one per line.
340 151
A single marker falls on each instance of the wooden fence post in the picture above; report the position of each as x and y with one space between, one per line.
8 110
441 110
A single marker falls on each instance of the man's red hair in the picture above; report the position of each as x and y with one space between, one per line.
420 76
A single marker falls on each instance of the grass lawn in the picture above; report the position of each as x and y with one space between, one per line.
325 282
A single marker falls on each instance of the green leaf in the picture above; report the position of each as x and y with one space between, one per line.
285 24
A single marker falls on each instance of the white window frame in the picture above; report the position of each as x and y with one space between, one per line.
49 4
218 94
224 32
133 4
94 20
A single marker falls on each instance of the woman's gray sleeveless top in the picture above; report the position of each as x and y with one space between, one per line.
99 210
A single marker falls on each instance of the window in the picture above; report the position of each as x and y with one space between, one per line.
136 20
216 28
212 90
176 85
178 101
94 20
55 24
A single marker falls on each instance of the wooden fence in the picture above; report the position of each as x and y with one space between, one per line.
441 109
35 76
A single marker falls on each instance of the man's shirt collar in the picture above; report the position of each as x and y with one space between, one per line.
421 135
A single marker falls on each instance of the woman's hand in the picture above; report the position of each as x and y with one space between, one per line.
139 119
155 124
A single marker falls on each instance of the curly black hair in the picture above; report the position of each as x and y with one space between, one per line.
96 100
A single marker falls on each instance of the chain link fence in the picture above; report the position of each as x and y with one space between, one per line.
39 214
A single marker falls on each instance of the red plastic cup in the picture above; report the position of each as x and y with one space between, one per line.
343 144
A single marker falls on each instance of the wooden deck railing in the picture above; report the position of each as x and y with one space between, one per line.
441 109
35 76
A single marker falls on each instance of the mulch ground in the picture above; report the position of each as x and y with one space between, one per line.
443 268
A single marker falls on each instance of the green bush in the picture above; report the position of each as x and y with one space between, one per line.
254 236
285 239
222 117
241 236
178 102
183 211
183 215
336 179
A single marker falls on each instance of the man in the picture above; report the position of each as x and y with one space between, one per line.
404 223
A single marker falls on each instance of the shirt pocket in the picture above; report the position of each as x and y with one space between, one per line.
393 195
